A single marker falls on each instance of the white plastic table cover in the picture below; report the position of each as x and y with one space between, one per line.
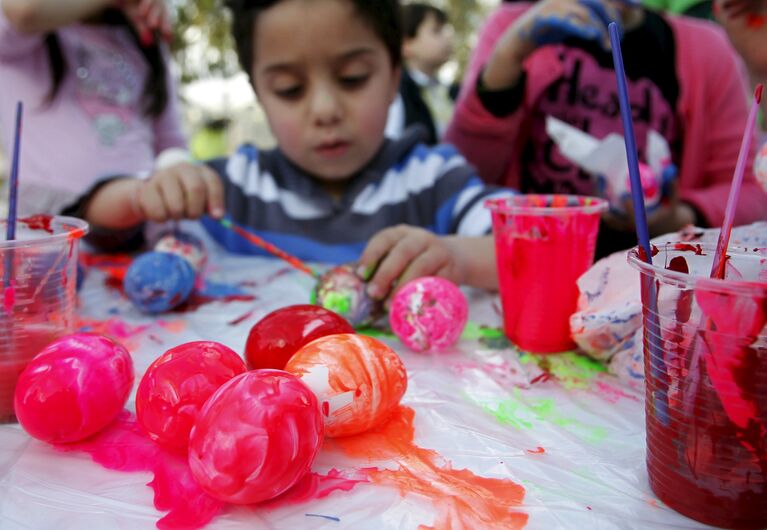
570 435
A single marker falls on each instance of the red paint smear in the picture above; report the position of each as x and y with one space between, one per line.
754 21
461 498
9 297
537 451
113 328
240 319
123 446
196 300
542 378
697 249
39 222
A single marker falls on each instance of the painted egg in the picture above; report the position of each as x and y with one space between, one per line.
177 384
73 388
276 337
157 281
342 291
255 437
359 380
760 167
185 245
428 313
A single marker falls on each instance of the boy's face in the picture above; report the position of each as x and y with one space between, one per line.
325 81
432 45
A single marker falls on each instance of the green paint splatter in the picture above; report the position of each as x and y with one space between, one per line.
338 302
524 414
376 332
491 338
572 370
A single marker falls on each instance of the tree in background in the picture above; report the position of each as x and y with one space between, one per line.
202 46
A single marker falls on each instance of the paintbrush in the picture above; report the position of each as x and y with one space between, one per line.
269 247
652 333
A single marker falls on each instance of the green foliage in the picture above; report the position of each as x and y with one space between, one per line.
202 45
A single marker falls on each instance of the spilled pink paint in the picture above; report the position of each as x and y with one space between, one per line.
123 446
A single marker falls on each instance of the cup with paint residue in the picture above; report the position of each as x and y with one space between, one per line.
543 243
705 355
38 276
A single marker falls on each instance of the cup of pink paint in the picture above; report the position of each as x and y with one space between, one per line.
38 273
705 345
543 243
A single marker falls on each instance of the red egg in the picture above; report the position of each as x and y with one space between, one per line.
177 384
255 437
275 338
359 380
73 388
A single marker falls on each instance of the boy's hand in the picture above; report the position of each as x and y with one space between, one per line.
404 252
181 191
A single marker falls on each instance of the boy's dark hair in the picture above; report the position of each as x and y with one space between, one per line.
383 16
413 15
155 95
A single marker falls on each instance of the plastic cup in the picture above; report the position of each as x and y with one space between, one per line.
705 346
38 273
543 243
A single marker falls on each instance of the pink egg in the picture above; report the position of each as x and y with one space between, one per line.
73 388
428 313
177 384
255 437
359 380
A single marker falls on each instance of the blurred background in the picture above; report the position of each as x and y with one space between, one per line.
219 106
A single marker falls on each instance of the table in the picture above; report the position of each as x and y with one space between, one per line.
554 441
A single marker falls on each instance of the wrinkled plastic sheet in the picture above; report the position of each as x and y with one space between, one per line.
563 428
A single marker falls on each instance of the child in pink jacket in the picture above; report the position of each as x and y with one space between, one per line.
552 58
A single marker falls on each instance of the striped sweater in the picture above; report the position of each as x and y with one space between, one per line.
405 183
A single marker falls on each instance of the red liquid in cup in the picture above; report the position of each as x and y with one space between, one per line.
37 294
543 244
706 385
32 342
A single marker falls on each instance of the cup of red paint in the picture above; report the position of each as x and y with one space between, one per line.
543 243
705 355
38 275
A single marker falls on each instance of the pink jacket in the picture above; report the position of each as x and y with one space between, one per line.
712 111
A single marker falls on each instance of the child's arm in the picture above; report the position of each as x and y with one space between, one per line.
402 253
182 191
547 22
40 16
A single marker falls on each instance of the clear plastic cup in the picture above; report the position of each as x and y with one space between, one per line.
705 345
38 275
543 243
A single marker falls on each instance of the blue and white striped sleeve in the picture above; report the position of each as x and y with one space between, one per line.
461 197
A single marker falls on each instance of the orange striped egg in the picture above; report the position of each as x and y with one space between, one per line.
358 380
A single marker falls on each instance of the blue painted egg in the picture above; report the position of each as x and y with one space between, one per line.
158 281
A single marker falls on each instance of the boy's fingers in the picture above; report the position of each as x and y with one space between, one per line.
172 195
151 204
195 192
215 192
426 264
395 262
376 249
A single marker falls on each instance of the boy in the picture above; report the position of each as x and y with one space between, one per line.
335 189
427 45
